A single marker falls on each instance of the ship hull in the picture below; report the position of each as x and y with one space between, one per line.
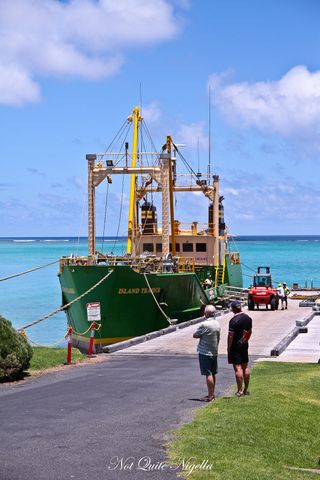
128 309
127 306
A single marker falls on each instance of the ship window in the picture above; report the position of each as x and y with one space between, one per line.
177 247
201 247
187 247
158 247
148 247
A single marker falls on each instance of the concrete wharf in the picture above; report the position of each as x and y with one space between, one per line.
269 328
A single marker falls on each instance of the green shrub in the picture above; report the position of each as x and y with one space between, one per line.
15 352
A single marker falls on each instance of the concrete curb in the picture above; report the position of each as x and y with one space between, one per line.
282 345
149 336
306 320
299 328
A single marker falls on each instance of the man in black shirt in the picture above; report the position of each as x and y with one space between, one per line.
240 329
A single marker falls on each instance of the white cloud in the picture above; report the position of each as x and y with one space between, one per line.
230 191
16 87
269 201
191 134
78 182
121 197
245 216
76 38
151 112
289 106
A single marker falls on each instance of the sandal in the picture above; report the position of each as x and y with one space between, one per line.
239 394
207 399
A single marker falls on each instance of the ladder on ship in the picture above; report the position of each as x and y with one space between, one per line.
220 274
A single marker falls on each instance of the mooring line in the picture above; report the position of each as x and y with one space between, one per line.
28 271
64 307
158 305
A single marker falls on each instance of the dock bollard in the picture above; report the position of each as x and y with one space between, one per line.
69 340
93 326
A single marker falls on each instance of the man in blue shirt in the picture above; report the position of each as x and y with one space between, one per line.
208 333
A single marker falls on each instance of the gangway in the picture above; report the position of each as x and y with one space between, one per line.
230 293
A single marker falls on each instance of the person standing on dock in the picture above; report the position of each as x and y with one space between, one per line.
286 293
281 295
240 329
208 333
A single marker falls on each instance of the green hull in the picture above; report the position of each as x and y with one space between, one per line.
128 309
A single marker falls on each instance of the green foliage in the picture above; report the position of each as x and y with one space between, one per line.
261 436
15 352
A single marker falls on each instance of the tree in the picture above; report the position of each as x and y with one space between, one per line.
15 351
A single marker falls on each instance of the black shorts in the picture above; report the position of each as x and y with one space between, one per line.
239 356
208 365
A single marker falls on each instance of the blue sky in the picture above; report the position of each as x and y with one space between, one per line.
70 74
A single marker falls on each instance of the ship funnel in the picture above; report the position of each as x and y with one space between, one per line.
149 219
222 225
210 220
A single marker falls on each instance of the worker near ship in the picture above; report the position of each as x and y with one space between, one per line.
208 333
286 293
281 295
240 329
208 282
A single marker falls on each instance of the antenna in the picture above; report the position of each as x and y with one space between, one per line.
140 97
209 139
198 174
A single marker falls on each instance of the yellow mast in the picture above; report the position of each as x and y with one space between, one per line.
131 217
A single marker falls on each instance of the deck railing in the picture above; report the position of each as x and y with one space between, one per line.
141 264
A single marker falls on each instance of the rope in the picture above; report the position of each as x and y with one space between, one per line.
28 271
50 344
81 220
118 160
158 305
249 268
118 134
120 214
88 329
144 125
234 243
67 305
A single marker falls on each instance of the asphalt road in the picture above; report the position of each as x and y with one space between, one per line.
98 421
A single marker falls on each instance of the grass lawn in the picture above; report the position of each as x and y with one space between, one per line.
257 436
45 357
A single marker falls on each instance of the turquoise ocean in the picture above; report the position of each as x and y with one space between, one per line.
29 297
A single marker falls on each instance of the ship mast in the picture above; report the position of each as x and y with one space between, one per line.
216 260
91 208
135 117
173 239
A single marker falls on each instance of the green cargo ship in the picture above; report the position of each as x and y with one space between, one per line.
169 272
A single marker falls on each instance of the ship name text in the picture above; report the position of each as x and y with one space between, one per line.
137 291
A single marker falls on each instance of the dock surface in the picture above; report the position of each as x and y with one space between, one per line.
269 327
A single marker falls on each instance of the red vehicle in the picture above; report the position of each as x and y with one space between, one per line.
262 291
